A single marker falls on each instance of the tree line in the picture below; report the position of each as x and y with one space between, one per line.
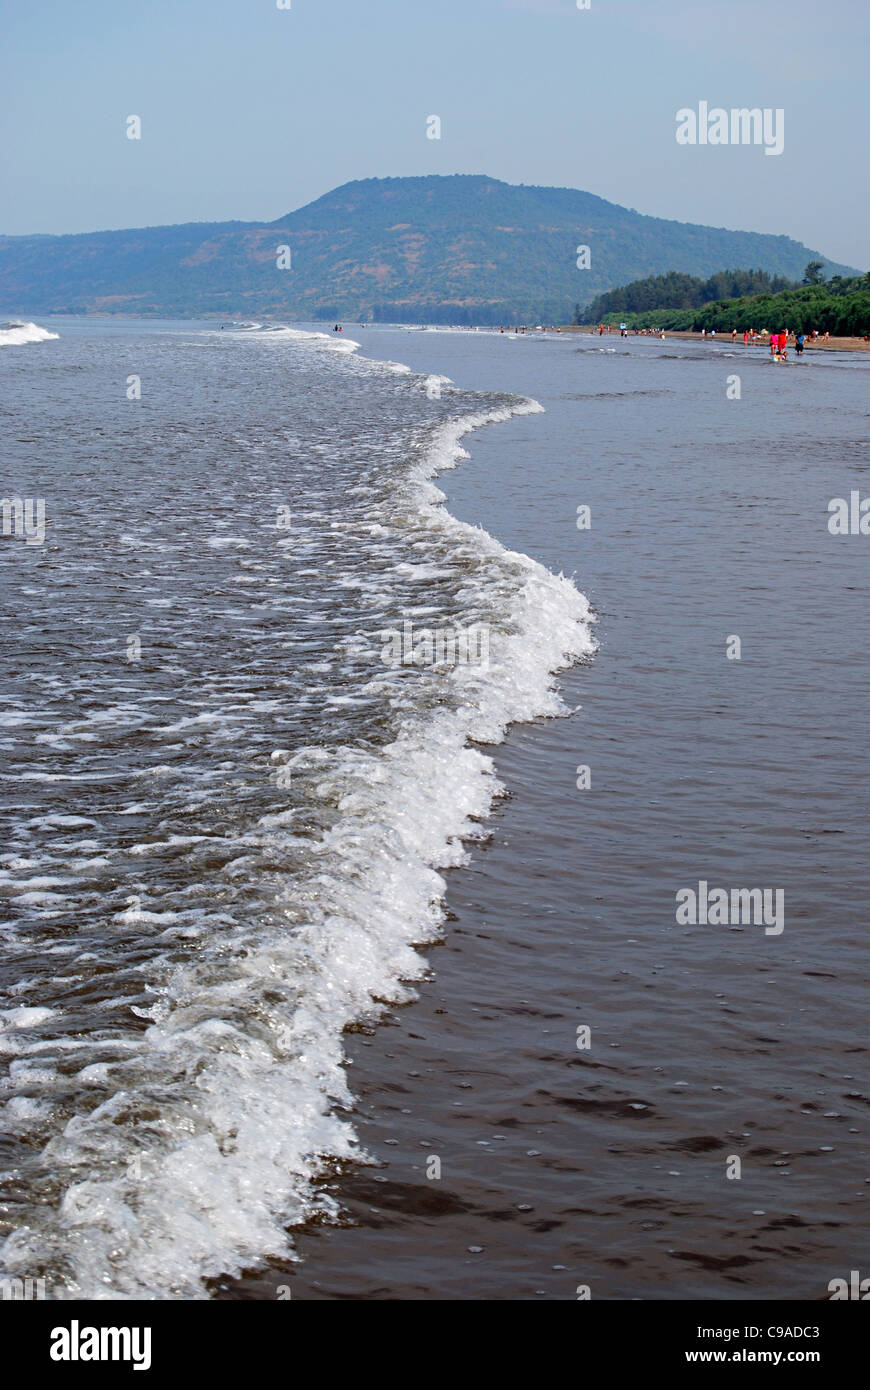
678 291
741 300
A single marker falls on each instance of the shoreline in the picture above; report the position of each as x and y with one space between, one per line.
832 345
384 1189
853 344
559 1167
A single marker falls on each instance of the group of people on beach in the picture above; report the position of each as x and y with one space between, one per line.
624 332
778 341
779 345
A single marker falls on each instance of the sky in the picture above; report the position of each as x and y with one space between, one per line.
249 110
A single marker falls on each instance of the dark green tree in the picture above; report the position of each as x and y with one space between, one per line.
813 273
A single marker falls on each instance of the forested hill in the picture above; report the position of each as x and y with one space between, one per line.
458 248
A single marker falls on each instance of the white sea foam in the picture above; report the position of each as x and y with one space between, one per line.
334 342
18 334
24 1017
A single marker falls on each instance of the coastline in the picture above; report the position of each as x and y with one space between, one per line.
441 1050
832 345
429 1081
604 1169
558 1166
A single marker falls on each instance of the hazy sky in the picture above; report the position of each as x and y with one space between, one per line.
249 111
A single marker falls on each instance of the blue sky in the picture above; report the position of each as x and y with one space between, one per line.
249 111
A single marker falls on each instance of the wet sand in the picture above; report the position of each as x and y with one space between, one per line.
562 1169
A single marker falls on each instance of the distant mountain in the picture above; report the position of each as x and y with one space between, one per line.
459 249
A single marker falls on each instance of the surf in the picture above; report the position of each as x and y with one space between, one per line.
16 334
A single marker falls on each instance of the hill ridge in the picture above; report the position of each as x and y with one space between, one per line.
422 248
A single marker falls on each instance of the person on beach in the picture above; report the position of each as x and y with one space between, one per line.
746 338
799 344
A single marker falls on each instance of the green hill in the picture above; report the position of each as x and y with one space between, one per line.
460 249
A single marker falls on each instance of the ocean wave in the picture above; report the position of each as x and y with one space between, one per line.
333 342
209 1130
14 334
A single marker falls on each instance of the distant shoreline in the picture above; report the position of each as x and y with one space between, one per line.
837 344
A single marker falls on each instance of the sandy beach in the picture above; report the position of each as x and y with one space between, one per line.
833 344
